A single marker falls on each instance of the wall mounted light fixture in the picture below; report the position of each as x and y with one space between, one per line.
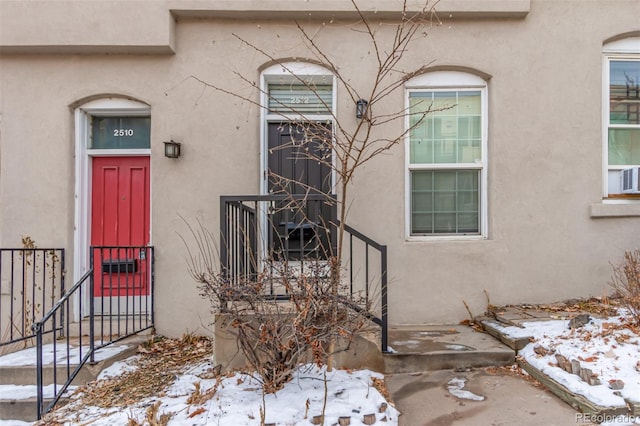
172 149
361 108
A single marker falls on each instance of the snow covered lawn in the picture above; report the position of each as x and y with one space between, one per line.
171 382
234 400
609 347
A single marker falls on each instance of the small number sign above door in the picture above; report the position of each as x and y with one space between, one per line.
120 133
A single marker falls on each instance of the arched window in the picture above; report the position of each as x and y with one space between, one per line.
446 155
295 92
298 89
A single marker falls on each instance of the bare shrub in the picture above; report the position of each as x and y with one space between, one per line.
277 336
283 316
626 283
319 314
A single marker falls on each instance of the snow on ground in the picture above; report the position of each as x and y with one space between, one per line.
238 400
610 350
29 391
29 356
119 367
455 388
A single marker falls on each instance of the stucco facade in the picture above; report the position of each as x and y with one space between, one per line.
550 229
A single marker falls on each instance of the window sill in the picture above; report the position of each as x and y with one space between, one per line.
615 208
428 239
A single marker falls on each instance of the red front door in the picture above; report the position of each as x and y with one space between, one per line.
120 224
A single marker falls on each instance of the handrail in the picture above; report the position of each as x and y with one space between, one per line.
38 327
363 237
278 197
241 249
124 272
383 320
63 299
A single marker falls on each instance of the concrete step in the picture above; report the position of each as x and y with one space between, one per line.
18 375
442 347
19 368
26 375
495 328
20 409
111 327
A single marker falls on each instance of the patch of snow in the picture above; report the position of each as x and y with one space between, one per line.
431 333
28 356
540 327
456 388
239 399
406 342
119 368
16 392
457 347
14 423
609 352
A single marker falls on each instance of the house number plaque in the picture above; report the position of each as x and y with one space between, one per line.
120 133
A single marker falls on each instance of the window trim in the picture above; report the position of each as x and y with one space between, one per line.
449 81
274 74
619 50
103 107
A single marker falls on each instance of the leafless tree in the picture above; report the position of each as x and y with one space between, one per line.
315 309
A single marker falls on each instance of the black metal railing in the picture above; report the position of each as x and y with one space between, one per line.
31 281
260 230
117 291
291 227
368 276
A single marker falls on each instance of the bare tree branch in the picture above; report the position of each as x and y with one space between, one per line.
320 312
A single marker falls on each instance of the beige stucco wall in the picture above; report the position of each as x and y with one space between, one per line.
544 148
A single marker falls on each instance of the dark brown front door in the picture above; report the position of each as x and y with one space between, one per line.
299 162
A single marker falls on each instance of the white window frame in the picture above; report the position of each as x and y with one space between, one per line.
277 74
449 81
82 209
289 72
619 50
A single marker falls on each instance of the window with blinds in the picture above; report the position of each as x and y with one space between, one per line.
300 99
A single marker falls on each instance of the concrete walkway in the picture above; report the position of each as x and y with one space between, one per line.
425 399
498 397
429 348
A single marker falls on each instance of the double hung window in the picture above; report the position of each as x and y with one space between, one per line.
447 156
622 117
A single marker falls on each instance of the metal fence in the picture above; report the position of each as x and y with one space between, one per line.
260 231
117 295
31 282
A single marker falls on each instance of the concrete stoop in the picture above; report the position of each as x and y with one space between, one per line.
20 409
428 348
24 376
413 349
